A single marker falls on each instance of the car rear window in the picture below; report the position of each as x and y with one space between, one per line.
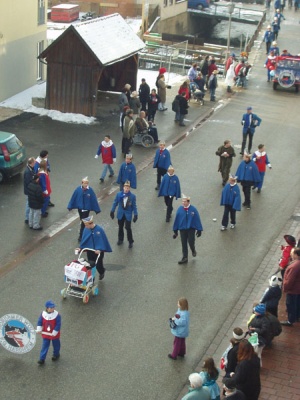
14 145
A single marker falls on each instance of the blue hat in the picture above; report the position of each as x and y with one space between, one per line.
249 108
260 309
232 55
50 304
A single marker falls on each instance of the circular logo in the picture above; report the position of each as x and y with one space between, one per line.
17 334
286 79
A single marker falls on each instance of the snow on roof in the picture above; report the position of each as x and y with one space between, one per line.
110 38
65 6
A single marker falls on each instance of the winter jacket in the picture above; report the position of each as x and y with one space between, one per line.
285 256
182 321
271 297
123 101
162 90
135 104
129 128
144 92
262 327
28 174
35 195
291 279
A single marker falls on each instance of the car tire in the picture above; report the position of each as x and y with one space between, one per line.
2 176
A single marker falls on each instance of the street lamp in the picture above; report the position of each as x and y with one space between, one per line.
230 7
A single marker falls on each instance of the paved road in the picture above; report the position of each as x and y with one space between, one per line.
117 345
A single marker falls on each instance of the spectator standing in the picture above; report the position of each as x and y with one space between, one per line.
124 100
170 188
162 92
48 325
213 84
232 393
185 88
44 181
135 103
44 156
230 78
230 354
204 69
144 92
291 287
211 67
196 390
128 132
27 178
85 200
226 153
94 237
231 200
246 377
209 376
126 203
261 160
162 161
181 328
183 108
286 251
35 203
188 222
153 102
249 122
193 73
272 295
247 174
108 152
127 172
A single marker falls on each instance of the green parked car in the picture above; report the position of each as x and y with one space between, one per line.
12 155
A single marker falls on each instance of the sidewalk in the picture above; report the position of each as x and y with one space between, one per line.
280 373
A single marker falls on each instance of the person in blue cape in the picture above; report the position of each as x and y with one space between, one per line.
249 121
85 200
231 200
162 161
170 188
127 172
95 239
188 222
247 174
126 203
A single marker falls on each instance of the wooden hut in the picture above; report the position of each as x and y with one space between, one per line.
100 54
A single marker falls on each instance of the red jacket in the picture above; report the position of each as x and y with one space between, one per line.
291 279
285 256
184 90
211 69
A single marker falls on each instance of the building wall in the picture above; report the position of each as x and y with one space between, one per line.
19 37
172 8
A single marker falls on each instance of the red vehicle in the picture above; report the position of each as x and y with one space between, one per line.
287 72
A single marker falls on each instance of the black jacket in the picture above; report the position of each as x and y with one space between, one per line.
183 104
27 177
271 297
247 378
232 359
262 326
35 195
144 92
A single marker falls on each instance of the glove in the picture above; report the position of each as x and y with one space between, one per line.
112 215
45 192
135 218
198 233
54 333
114 160
175 234
96 156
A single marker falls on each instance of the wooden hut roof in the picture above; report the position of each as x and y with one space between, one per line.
110 38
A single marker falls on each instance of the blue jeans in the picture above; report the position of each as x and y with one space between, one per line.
259 185
104 172
177 116
27 210
212 94
46 345
34 218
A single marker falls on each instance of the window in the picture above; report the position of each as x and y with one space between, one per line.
165 3
39 69
41 12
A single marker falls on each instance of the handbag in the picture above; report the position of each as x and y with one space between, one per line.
172 323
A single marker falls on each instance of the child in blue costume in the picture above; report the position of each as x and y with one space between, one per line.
209 376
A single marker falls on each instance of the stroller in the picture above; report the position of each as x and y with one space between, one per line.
80 277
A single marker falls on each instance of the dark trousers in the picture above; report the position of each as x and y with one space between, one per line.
292 304
160 172
126 144
151 115
92 257
169 204
121 223
82 214
268 45
153 132
144 106
247 192
187 236
228 210
178 347
248 133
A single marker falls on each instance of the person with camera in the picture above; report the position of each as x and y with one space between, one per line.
188 222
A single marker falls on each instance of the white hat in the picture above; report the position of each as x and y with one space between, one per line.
275 281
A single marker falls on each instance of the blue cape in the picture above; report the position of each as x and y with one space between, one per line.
170 186
84 200
231 197
95 239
